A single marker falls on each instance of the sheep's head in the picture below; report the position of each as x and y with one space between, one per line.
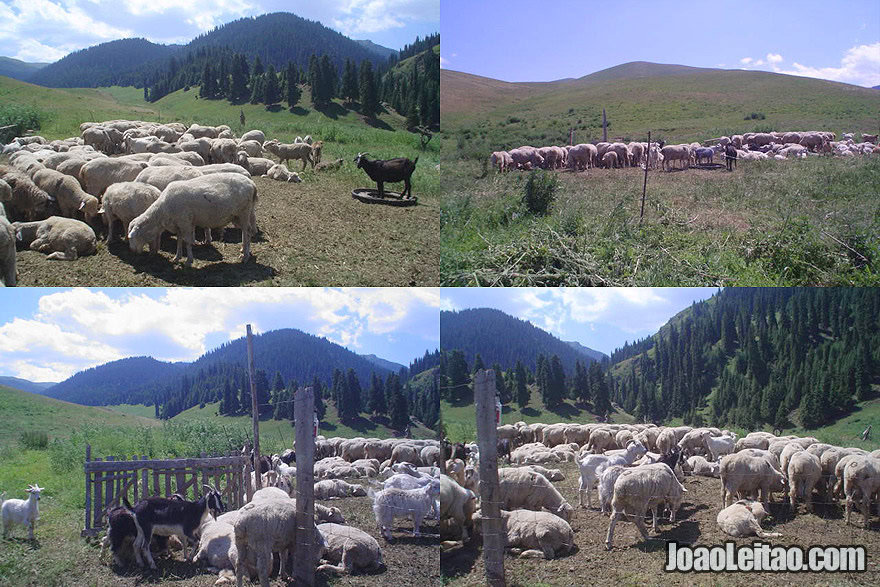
294 177
141 233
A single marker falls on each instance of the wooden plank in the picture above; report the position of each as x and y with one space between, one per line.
494 539
88 527
304 414
99 501
156 490
99 466
108 488
168 491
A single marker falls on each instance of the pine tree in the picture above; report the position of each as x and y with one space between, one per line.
328 80
522 390
279 396
257 89
556 392
398 408
478 363
271 91
377 403
349 89
207 88
315 81
457 375
336 389
412 114
293 91
240 74
264 397
367 91
500 387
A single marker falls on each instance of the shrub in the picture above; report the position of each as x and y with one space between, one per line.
755 116
21 117
540 192
34 440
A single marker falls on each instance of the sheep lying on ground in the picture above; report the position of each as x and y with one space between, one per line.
529 490
337 489
216 545
24 200
350 548
533 534
126 201
457 504
398 503
642 488
279 172
59 238
210 201
551 474
743 518
7 251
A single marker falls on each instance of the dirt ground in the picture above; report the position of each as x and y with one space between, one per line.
635 562
410 561
312 233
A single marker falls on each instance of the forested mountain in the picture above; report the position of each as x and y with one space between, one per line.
595 355
20 70
503 339
116 382
107 64
382 52
390 365
774 356
25 385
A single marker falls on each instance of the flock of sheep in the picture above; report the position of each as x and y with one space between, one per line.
638 468
52 192
749 147
401 477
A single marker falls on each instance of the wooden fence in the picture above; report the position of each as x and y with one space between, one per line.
110 478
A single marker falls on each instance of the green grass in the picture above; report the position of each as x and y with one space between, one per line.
797 222
134 410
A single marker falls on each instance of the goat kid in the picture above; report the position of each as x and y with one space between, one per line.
23 512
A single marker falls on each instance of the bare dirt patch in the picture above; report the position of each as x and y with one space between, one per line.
635 562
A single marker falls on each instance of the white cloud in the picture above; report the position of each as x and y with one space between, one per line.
745 60
758 62
774 58
203 14
34 51
860 65
361 17
444 63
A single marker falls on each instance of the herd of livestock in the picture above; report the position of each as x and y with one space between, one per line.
641 468
399 476
148 179
747 147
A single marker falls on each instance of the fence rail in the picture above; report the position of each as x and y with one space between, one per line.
109 479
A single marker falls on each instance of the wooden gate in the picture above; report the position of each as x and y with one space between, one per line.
111 478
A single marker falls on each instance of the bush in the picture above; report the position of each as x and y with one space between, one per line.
540 192
22 117
34 440
755 116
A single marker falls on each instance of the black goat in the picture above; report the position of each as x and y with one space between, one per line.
671 458
504 447
288 456
730 156
388 170
122 531
171 516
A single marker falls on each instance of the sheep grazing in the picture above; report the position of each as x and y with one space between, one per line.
640 489
67 192
210 201
263 528
286 152
743 472
804 471
534 534
126 201
24 200
860 476
169 516
337 489
744 518
529 490
457 504
500 161
398 503
59 238
22 512
350 548
388 171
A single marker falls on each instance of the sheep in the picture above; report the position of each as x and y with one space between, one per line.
666 440
606 485
790 449
600 439
551 474
98 174
804 471
216 545
263 528
861 475
67 193
126 201
395 503
254 135
122 532
252 148
22 512
529 490
60 238
500 161
609 160
719 446
224 168
535 534
642 488
743 518
351 548
223 150
337 489
741 472
591 467
329 165
693 440
869 138
160 177
388 170
676 153
212 201
7 251
286 152
25 201
582 156
702 154
456 503
256 166
700 466
280 172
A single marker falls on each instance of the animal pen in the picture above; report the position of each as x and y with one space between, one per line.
111 478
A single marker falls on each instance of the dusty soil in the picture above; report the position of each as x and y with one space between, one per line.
312 233
635 562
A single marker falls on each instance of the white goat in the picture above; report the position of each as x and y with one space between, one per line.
398 503
592 466
23 512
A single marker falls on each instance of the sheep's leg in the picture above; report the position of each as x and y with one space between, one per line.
246 239
179 248
189 248
609 537
264 567
640 524
581 493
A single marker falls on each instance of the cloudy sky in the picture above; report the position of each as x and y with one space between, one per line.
838 41
49 334
600 318
47 30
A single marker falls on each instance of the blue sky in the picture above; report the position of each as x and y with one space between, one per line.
523 41
49 334
47 30
600 318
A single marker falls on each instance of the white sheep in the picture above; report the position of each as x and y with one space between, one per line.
7 251
98 174
210 201
743 472
286 152
351 548
591 467
640 489
216 545
861 476
743 518
337 489
59 238
666 441
263 528
551 474
254 135
804 471
22 512
529 490
700 466
280 172
126 201
457 504
534 534
24 200
397 503
606 485
161 176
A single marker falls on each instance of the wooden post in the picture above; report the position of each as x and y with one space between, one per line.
304 414
255 415
88 529
645 185
494 540
604 127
